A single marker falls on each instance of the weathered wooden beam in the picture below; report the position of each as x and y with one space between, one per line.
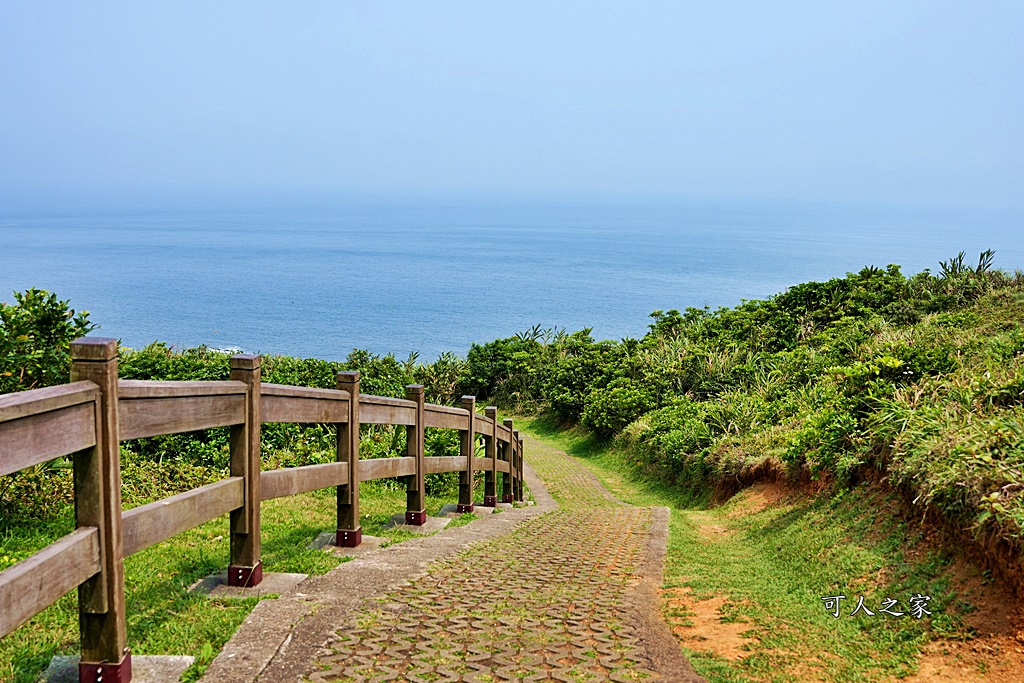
35 401
386 468
36 582
519 467
445 463
484 424
143 388
303 404
349 531
444 417
101 602
246 567
378 410
467 450
502 434
508 456
155 522
415 493
144 417
491 449
290 481
34 439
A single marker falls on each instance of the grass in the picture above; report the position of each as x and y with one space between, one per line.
163 618
774 565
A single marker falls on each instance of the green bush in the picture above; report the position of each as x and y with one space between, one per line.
609 410
35 337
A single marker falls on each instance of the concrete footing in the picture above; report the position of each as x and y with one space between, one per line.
429 526
273 583
145 669
325 542
452 510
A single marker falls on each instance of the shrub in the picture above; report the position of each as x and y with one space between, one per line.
35 337
608 410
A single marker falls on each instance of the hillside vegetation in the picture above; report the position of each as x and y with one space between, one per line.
918 381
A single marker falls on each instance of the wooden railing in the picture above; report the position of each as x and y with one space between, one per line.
89 417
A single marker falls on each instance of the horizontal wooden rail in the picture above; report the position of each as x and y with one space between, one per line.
280 403
293 480
36 401
158 408
154 522
43 424
483 426
378 410
445 417
386 468
145 388
87 419
445 463
35 583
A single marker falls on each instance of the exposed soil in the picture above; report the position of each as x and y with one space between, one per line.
698 625
759 497
996 652
992 653
708 528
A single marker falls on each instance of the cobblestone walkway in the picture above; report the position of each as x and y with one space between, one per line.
547 602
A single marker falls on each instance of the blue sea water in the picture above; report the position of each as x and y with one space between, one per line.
321 280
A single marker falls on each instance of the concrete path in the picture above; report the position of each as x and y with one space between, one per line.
566 590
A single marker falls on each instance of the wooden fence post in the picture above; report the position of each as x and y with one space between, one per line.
349 532
508 480
519 468
415 499
467 449
246 567
97 471
491 444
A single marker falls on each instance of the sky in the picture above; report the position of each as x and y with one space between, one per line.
910 101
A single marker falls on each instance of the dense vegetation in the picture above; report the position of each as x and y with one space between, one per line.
920 378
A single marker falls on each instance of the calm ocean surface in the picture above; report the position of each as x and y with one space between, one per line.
321 281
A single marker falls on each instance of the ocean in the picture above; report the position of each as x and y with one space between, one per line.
318 281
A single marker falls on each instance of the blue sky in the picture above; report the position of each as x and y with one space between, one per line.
918 102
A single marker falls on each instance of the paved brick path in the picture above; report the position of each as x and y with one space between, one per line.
551 600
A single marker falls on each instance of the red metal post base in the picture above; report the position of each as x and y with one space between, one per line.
91 672
507 498
460 508
245 577
348 538
416 518
490 501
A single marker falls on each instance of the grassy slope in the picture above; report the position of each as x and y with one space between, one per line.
773 564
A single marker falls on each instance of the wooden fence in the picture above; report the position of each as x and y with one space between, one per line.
95 412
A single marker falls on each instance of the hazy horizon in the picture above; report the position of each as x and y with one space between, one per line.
113 104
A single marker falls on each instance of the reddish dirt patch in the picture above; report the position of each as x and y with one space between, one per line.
711 531
698 624
996 653
758 497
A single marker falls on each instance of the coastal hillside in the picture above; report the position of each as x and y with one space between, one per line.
917 382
